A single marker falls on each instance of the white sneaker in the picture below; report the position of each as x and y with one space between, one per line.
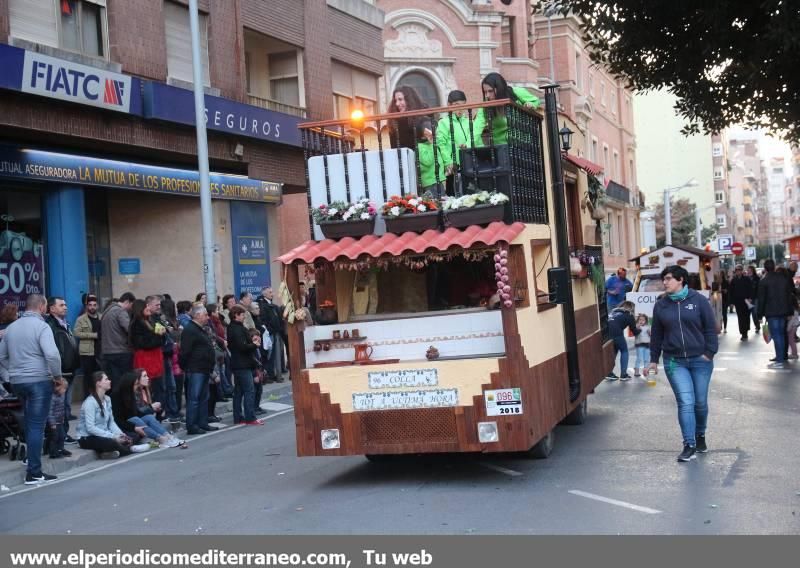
172 442
140 448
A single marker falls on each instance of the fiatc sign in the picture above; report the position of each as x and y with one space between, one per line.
39 74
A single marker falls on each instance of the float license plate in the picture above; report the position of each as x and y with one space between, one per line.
503 402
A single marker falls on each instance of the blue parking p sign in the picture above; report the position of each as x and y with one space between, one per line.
724 244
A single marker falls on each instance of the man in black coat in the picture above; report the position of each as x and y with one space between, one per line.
775 304
740 292
272 317
197 359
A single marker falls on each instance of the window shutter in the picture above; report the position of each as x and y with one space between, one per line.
34 20
366 85
179 43
342 79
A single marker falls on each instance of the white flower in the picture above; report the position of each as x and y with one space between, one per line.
365 216
347 216
421 208
394 211
413 202
332 212
359 206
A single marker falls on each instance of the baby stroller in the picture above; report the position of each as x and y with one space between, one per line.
12 425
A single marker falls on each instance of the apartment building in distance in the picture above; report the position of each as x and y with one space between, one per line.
746 191
98 162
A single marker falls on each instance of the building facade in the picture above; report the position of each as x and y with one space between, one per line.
98 164
442 45
747 194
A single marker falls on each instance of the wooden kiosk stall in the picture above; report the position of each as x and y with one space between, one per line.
446 339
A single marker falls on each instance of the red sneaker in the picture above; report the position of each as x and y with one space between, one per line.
256 422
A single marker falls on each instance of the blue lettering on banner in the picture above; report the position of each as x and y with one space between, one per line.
37 165
130 266
173 104
250 242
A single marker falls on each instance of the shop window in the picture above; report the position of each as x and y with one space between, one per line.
74 25
179 43
22 256
542 257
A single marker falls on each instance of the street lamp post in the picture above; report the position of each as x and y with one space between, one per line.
667 207
202 156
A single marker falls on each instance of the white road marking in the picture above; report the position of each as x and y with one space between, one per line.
275 406
631 506
129 459
501 469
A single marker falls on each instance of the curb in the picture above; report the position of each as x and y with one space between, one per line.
14 476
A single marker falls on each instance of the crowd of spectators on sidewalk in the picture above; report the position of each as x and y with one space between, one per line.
142 361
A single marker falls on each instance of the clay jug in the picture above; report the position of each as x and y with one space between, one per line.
363 351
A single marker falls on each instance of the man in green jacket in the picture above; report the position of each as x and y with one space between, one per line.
453 134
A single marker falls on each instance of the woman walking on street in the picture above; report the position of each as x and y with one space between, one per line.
685 331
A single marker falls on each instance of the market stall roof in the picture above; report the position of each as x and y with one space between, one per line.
587 165
393 244
691 250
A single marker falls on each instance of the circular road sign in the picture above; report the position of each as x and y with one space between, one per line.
737 248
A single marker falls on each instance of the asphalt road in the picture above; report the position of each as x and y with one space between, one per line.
616 474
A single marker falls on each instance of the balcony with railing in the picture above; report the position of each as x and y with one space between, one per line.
407 153
618 191
277 106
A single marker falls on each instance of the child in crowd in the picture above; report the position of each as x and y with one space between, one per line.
258 374
430 175
642 345
55 423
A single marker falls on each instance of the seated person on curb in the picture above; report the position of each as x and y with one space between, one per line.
96 428
134 411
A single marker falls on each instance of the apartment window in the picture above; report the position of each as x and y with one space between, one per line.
284 86
722 221
352 89
720 196
179 43
578 72
595 152
610 234
718 174
716 149
613 101
507 43
616 166
632 178
620 235
603 93
590 78
74 25
606 159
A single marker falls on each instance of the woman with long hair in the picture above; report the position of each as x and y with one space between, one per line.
147 340
403 130
96 427
8 315
495 88
135 410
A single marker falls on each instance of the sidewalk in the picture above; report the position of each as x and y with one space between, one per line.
276 398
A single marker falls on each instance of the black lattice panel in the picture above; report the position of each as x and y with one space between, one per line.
424 426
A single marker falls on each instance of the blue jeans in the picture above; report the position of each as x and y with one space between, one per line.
777 329
36 398
642 356
152 429
689 379
621 347
244 390
196 400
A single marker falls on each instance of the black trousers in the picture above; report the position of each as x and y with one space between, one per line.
117 364
100 445
743 315
724 314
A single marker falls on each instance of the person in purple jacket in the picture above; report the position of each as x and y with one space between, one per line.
684 330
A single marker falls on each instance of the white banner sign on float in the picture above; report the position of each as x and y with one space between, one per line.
658 260
644 301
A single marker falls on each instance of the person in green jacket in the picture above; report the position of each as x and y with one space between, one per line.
453 134
495 88
430 177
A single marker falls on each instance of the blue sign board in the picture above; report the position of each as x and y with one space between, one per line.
43 75
250 248
129 266
38 165
173 104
